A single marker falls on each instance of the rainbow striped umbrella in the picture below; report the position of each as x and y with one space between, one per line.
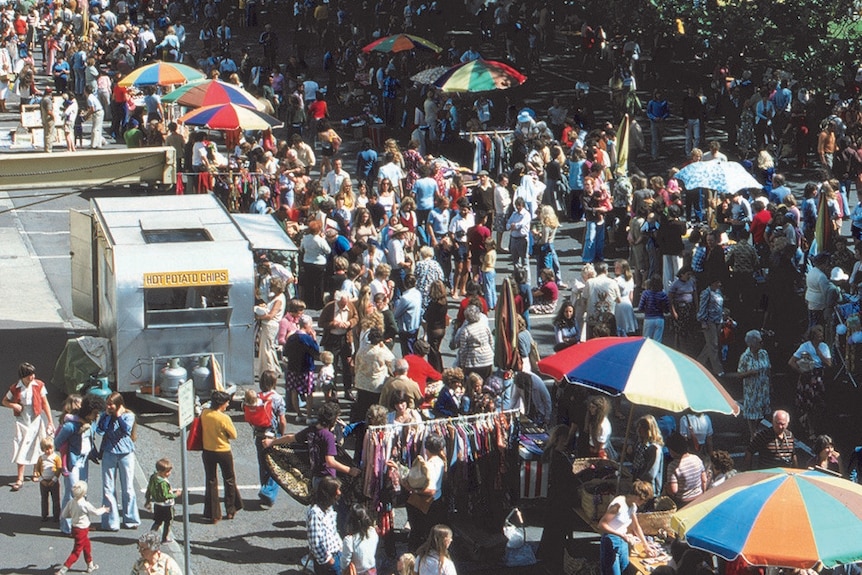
229 117
401 43
778 517
211 93
479 76
645 371
162 74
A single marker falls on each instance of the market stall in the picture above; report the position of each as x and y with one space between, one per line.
165 278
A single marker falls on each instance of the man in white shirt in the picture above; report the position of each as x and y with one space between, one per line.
396 256
714 154
97 112
309 89
335 178
519 226
502 201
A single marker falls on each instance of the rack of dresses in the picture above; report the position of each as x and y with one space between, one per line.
481 452
492 150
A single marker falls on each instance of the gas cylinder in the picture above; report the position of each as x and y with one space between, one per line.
201 376
171 376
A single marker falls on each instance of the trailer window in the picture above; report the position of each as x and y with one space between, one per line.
176 236
187 306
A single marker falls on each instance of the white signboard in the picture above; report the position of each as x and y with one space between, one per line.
186 402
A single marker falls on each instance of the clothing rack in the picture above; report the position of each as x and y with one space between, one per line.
458 419
487 133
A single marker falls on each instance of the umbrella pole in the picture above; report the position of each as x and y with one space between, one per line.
625 442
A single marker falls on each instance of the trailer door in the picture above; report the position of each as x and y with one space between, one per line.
83 302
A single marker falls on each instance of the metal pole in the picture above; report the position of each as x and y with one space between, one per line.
187 549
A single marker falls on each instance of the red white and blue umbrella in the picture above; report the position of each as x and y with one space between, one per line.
645 371
211 93
230 117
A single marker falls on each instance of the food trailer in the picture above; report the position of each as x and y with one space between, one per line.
167 278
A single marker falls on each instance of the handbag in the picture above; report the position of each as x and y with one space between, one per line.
417 478
518 551
420 502
195 439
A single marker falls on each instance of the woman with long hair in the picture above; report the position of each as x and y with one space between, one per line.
648 453
324 543
430 499
360 544
119 429
565 327
387 197
363 229
436 321
598 427
330 141
432 557
627 323
269 318
547 253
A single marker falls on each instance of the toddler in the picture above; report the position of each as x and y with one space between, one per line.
326 376
47 473
78 510
160 498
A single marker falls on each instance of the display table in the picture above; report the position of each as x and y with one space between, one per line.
533 470
645 565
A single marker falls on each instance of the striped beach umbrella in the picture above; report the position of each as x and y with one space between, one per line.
401 43
229 117
479 76
804 519
162 74
211 93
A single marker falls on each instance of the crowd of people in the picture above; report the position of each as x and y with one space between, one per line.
400 248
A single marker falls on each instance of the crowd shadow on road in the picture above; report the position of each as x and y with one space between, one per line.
239 549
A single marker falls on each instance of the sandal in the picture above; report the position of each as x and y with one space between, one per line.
17 486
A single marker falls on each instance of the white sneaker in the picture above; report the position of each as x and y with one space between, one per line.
91 566
62 570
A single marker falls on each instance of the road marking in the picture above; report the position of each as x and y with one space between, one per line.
65 257
202 489
55 233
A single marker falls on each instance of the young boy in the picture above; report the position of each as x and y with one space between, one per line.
160 498
78 510
47 473
326 376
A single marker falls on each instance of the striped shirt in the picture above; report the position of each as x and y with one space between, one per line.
685 473
774 451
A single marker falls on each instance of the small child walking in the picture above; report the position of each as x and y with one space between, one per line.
160 498
78 510
47 473
326 377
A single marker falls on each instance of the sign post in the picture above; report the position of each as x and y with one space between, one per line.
186 413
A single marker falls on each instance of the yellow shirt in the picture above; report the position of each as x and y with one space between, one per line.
218 430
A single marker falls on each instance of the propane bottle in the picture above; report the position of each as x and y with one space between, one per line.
172 375
201 376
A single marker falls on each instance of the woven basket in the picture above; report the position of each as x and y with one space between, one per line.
601 467
291 468
654 521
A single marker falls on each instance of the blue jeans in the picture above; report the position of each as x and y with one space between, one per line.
692 135
489 282
77 473
694 204
594 243
334 569
654 328
548 260
613 555
120 465
268 487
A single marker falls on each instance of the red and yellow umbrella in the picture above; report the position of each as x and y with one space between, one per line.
401 43
479 76
778 517
162 74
